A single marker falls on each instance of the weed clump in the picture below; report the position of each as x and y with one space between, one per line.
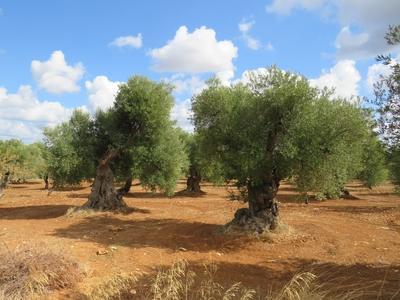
28 272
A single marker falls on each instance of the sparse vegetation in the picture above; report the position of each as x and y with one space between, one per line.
180 282
30 271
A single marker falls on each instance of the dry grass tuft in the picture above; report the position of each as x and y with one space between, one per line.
120 286
27 272
180 282
80 212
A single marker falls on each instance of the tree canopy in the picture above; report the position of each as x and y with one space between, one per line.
278 127
135 138
387 99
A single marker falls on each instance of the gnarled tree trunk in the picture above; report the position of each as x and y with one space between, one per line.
4 182
263 211
46 182
126 187
193 181
104 196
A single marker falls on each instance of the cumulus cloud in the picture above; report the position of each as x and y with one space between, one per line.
376 71
101 92
20 130
55 75
184 84
23 116
128 41
251 42
182 113
246 75
196 52
343 77
371 18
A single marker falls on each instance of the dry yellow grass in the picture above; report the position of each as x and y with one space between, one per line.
27 272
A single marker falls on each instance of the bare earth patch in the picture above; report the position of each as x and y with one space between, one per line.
358 239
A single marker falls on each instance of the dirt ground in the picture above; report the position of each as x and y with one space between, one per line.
350 240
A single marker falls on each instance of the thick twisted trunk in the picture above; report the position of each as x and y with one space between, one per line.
263 211
193 181
104 196
125 188
4 182
46 182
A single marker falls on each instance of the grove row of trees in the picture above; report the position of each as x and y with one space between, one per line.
275 127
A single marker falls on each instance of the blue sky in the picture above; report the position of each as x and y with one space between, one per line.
59 55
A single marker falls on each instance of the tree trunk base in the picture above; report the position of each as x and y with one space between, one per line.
104 196
244 220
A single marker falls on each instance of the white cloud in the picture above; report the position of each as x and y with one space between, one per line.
20 130
375 71
344 77
55 75
348 39
23 116
285 7
186 84
102 92
370 17
251 42
196 52
128 41
373 18
181 112
246 75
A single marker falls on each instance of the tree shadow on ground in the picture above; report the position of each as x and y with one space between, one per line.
42 212
36 212
358 209
336 281
63 189
185 193
289 198
169 234
379 194
13 186
145 195
79 196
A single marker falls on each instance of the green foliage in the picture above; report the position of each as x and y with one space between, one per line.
162 165
139 128
36 161
136 133
387 99
374 169
278 127
329 140
394 163
22 161
12 159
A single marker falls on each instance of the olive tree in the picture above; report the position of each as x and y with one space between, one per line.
135 138
13 156
387 99
68 150
193 170
276 127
